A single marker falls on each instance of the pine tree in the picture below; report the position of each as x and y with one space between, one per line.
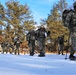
62 4
54 23
17 19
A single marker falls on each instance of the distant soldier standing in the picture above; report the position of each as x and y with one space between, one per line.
30 37
61 44
17 44
10 46
70 22
3 47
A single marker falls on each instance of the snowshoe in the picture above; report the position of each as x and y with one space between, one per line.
71 57
41 55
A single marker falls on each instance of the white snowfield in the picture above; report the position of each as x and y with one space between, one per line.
51 64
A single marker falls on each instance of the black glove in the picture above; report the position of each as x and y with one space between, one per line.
48 33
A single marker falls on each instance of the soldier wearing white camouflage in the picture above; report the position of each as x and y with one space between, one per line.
70 22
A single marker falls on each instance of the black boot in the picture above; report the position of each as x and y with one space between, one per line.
63 54
41 55
72 57
31 53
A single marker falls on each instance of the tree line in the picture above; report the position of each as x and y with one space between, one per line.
16 19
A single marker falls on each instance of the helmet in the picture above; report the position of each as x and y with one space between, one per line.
38 27
74 4
32 31
42 26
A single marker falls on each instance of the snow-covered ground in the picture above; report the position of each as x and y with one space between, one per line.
51 64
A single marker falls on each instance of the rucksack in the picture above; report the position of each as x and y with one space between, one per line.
64 15
60 40
30 35
41 34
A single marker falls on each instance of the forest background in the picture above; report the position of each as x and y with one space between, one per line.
17 19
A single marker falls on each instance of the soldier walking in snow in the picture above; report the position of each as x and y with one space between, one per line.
41 35
70 22
30 37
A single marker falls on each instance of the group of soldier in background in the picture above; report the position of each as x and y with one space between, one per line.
32 36
39 35
8 46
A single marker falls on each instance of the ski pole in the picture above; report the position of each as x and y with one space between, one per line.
67 45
